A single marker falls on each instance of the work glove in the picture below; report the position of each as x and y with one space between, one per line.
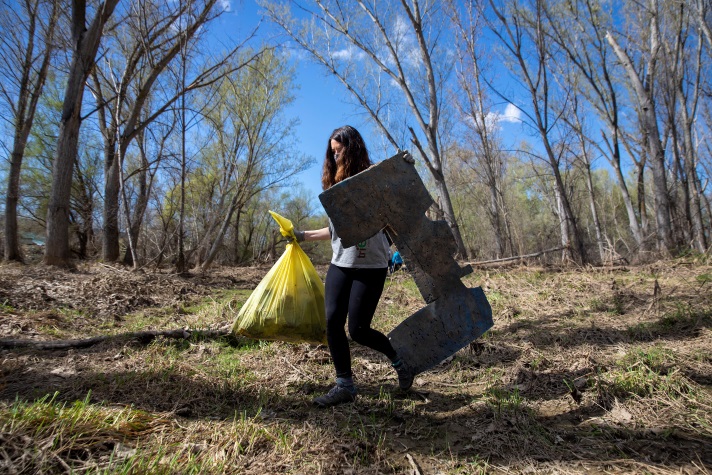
298 237
407 156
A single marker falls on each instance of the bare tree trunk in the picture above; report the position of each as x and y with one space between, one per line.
139 209
112 185
642 206
236 258
682 225
594 213
533 70
588 53
690 155
85 205
476 110
217 243
31 83
576 121
566 254
648 119
110 222
181 264
12 241
153 47
494 219
87 43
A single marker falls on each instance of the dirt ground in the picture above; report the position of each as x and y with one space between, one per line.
585 371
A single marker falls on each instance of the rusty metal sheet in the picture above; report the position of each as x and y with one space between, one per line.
391 196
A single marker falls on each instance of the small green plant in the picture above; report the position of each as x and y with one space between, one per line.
657 358
536 363
647 371
494 296
597 305
503 400
6 307
473 466
683 318
387 399
534 277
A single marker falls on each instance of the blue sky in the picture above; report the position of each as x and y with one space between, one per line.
321 102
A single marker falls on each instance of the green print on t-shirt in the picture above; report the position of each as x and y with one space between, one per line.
361 249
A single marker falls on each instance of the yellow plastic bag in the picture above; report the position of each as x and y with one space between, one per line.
288 304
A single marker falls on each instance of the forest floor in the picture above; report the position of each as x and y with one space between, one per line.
594 370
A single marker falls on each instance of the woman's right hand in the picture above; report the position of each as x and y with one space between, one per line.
298 237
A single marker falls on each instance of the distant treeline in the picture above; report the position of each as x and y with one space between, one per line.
133 135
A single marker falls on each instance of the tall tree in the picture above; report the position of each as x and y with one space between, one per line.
642 81
681 86
385 52
702 10
144 45
577 122
86 40
579 29
521 30
479 118
255 140
27 44
151 150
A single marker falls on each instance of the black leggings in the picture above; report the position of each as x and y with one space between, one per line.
354 292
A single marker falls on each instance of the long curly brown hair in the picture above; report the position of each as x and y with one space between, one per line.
353 158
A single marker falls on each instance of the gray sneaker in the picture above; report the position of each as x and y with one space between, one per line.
405 375
337 395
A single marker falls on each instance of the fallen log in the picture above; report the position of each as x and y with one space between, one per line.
514 258
143 337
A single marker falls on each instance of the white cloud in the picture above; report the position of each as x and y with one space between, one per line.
226 5
344 54
348 54
511 114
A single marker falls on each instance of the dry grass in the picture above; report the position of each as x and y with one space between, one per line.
585 371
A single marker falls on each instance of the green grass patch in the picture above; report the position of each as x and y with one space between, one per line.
6 307
683 319
202 314
648 372
63 434
227 365
495 297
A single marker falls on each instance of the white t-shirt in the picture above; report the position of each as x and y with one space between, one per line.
369 254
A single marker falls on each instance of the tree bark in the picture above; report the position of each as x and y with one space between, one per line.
139 209
85 205
534 73
648 119
587 52
112 186
690 154
12 241
87 41
31 85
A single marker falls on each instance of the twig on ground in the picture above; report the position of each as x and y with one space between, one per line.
414 464
514 258
144 337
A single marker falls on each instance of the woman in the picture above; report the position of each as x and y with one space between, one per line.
355 279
